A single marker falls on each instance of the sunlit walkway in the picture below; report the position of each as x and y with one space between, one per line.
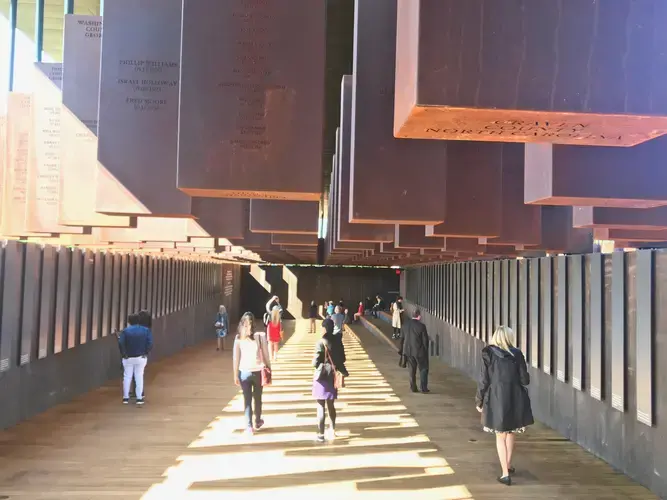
187 442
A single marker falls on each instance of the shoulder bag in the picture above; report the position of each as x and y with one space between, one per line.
266 371
339 379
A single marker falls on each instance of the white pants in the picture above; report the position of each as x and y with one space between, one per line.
133 367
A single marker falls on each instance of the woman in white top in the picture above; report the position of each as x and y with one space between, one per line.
251 355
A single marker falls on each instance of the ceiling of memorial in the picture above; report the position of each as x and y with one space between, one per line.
502 174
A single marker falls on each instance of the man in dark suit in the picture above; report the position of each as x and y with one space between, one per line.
414 350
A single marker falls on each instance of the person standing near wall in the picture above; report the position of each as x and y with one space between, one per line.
502 398
251 357
414 350
396 312
313 315
135 343
221 327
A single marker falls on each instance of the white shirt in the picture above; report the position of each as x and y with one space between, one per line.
249 356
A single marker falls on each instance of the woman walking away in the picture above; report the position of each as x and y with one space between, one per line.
396 310
274 332
502 397
221 327
329 358
313 315
251 357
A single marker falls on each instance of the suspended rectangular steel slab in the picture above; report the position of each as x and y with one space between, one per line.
415 237
138 116
82 42
307 240
346 231
392 181
538 71
277 216
620 218
221 218
473 192
44 158
251 121
596 176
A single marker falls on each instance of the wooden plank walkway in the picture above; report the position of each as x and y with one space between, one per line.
187 442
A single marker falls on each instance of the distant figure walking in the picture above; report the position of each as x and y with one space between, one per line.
221 327
251 357
329 363
274 331
414 350
502 398
135 343
313 315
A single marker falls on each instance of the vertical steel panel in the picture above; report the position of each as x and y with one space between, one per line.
124 279
107 300
143 304
115 293
47 303
69 7
644 336
87 296
490 301
76 285
98 295
618 364
480 293
12 297
524 308
497 294
547 313
484 294
505 273
139 284
596 314
32 282
513 271
535 323
150 271
562 338
576 311
62 299
131 284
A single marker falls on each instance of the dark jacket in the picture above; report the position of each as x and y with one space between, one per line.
414 341
501 390
312 312
223 319
336 351
135 341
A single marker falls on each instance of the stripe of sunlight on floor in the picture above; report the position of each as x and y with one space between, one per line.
379 447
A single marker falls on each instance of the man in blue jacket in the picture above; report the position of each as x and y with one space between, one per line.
135 343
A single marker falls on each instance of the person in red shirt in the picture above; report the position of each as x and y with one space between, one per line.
360 312
274 333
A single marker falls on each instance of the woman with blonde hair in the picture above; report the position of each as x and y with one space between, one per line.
274 332
251 359
502 397
221 327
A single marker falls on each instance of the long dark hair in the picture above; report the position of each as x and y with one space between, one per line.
144 318
246 329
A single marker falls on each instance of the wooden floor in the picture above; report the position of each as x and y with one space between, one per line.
186 443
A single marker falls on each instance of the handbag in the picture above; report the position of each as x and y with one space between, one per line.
339 378
266 371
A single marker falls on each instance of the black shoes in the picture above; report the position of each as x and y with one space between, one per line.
426 391
506 480
126 401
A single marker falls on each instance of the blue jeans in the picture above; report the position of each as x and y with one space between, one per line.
251 384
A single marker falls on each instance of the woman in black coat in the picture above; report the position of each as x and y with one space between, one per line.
502 398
